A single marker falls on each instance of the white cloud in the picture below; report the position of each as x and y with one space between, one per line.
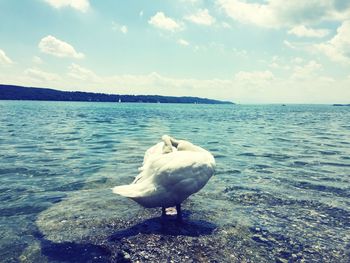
297 60
37 60
81 5
225 25
306 71
183 42
160 20
279 63
124 29
248 12
201 17
53 46
289 44
303 31
259 77
338 48
281 13
41 76
121 28
302 46
192 2
4 59
81 73
240 52
287 64
274 65
141 13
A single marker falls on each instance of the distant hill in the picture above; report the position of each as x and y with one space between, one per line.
12 92
341 105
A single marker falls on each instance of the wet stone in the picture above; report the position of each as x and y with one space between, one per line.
262 239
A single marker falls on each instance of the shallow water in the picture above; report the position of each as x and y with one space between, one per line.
281 191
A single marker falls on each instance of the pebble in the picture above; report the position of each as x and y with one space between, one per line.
281 260
260 239
126 255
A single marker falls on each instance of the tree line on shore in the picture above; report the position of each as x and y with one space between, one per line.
12 92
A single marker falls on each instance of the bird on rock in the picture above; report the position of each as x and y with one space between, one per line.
172 170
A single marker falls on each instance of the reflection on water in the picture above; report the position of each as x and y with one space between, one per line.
281 190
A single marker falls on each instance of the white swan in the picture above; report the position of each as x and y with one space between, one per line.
172 170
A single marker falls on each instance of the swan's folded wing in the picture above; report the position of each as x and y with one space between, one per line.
151 162
152 151
170 179
184 171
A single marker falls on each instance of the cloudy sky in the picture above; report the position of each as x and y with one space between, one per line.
253 51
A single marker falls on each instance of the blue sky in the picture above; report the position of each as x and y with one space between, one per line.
268 51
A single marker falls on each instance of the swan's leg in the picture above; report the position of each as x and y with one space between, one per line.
179 213
163 212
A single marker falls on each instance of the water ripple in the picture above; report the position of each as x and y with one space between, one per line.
282 174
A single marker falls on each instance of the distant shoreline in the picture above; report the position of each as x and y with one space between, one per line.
341 105
14 92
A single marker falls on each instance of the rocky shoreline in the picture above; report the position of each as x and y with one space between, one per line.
141 235
146 237
155 240
159 240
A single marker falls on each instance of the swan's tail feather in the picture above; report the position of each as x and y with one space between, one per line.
125 190
132 190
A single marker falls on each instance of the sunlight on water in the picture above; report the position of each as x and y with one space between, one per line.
281 190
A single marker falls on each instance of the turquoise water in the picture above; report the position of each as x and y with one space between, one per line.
282 185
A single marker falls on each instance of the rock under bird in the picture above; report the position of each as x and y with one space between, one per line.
172 170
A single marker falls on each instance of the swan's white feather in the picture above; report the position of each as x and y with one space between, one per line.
166 179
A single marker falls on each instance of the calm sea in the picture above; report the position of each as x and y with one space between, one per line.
282 181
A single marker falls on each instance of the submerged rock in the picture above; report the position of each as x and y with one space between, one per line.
90 231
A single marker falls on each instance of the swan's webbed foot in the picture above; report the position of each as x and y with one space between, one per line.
171 210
